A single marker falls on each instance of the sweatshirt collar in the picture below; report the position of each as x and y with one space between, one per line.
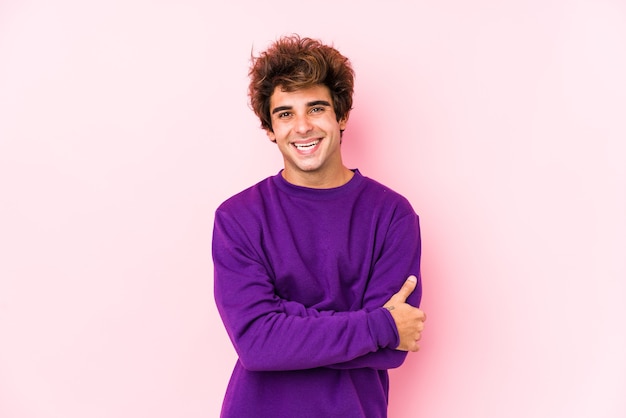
317 194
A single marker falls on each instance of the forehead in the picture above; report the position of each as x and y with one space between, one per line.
281 97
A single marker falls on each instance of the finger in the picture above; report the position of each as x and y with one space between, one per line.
407 288
422 315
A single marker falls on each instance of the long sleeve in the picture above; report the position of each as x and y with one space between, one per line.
265 336
399 259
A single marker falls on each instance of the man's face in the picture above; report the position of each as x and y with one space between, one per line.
307 133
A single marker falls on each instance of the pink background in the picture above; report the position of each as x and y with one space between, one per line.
123 124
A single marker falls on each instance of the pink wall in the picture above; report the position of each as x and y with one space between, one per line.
123 124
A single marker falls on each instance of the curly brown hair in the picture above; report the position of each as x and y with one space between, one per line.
295 63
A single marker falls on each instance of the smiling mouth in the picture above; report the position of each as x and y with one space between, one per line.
308 145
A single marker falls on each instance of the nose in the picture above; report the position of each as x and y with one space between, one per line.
303 124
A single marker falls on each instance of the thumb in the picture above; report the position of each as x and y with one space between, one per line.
407 288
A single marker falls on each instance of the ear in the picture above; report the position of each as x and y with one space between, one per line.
270 134
343 122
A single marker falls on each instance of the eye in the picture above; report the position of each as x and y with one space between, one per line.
317 109
283 115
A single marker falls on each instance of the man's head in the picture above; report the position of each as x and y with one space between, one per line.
295 63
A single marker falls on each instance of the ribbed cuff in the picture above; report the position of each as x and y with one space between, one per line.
383 328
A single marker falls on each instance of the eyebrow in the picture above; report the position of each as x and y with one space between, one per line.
309 104
317 103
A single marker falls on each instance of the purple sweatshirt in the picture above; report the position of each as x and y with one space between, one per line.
300 279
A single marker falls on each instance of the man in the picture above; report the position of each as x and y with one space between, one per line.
308 262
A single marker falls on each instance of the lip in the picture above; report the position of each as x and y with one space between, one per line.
308 146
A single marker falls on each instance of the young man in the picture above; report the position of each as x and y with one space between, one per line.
308 262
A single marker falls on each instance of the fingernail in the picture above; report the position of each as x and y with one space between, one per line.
412 279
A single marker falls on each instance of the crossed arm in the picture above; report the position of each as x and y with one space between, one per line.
408 320
270 333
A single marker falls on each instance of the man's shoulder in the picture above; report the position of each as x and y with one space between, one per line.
248 198
382 192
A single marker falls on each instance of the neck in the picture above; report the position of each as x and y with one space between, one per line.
316 180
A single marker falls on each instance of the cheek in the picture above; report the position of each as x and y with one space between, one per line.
281 132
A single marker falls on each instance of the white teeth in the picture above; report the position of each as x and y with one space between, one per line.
306 146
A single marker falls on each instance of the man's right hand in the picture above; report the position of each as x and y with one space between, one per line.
409 320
